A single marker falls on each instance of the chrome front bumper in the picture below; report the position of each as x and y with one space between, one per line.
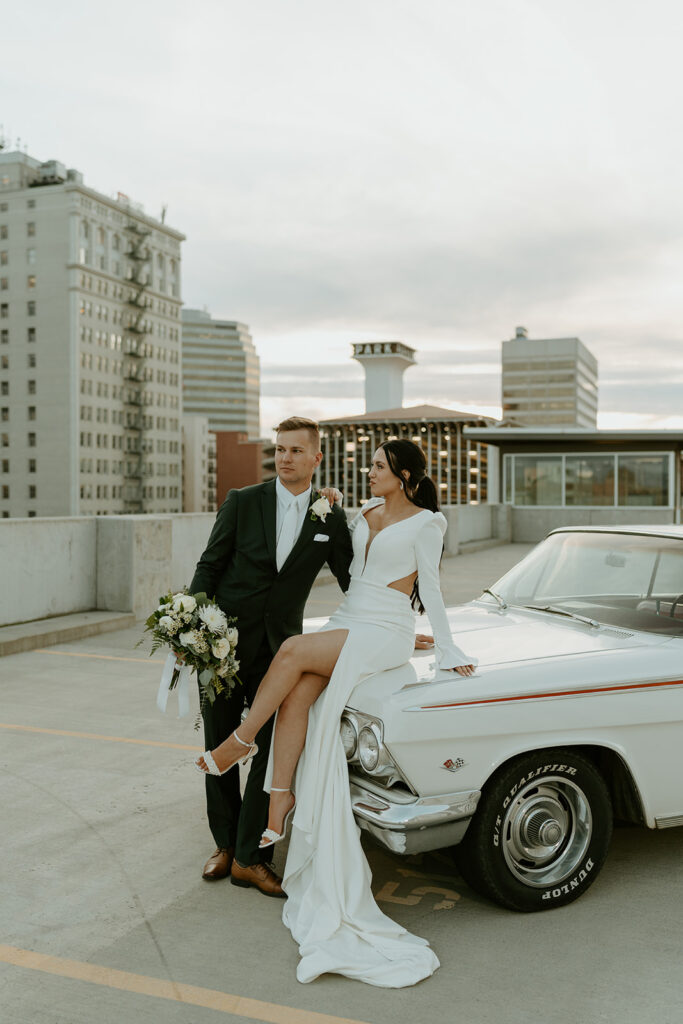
414 825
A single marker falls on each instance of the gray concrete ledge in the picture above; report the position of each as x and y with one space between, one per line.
27 636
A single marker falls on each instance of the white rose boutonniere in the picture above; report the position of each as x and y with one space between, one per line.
320 509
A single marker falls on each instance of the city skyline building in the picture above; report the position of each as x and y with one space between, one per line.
384 363
221 373
462 471
548 382
90 348
199 464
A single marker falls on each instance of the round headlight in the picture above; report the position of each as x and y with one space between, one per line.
349 737
368 748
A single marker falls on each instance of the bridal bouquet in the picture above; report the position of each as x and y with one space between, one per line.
201 639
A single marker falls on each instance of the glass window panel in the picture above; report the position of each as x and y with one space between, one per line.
538 480
643 479
589 480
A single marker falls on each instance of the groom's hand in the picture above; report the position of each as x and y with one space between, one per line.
423 642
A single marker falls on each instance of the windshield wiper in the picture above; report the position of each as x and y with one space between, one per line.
560 611
503 604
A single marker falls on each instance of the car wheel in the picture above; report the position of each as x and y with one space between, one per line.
541 832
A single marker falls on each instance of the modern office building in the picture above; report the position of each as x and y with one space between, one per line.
548 382
221 373
564 476
90 343
199 464
461 469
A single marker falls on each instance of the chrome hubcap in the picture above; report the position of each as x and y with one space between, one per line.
546 831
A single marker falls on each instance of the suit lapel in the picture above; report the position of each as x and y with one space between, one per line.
268 506
306 535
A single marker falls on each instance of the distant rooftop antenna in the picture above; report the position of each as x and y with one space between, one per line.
164 208
2 136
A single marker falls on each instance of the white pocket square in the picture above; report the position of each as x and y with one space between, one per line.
321 536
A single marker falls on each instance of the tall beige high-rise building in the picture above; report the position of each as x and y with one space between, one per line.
221 373
90 343
549 382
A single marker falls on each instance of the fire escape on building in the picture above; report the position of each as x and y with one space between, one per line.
135 371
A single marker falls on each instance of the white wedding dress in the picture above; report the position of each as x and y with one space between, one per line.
330 909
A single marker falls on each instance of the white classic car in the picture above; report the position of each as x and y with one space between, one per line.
574 716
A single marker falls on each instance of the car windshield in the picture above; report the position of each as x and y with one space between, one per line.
627 580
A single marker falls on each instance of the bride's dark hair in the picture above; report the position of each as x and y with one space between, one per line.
406 460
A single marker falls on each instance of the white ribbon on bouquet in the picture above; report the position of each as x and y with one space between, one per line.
182 686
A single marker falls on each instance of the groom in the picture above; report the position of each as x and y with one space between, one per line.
265 550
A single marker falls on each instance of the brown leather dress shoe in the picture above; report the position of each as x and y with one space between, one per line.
259 875
218 865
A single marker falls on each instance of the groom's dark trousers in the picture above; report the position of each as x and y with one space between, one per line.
238 568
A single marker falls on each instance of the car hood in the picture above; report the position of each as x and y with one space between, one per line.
515 648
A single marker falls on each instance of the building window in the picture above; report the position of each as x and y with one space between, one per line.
4 310
3 231
4 258
31 412
643 479
4 414
31 387
31 465
31 228
31 281
31 440
31 359
588 481
30 203
31 308
4 284
4 336
4 362
31 256
32 491
5 465
5 491
4 440
4 387
31 334
538 480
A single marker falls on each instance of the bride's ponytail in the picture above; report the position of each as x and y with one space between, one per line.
406 460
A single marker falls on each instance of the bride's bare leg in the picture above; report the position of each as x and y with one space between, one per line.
312 653
288 742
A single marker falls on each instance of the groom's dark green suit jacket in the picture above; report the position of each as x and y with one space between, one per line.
238 567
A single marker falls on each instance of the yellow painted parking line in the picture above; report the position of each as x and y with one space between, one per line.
103 657
211 999
97 736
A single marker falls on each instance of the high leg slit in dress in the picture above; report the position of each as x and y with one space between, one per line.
330 909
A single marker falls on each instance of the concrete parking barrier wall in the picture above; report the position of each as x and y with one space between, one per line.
59 566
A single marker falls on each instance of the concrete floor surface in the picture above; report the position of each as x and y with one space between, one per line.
103 839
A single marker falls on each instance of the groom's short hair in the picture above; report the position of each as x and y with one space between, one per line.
301 423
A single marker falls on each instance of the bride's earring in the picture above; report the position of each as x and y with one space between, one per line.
401 485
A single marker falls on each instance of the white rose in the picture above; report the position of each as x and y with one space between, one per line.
321 508
166 623
220 648
184 603
165 608
231 636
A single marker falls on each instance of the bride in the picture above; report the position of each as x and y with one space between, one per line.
330 911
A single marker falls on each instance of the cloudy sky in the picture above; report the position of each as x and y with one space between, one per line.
435 171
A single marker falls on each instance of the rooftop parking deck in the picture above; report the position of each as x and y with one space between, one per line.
105 916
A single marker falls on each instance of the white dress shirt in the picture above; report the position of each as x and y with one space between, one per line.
284 499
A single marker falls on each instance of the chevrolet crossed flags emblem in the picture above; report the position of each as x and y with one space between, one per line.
453 766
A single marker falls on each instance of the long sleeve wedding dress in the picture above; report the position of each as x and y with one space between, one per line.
330 909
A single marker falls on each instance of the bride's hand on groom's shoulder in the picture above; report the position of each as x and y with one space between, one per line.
334 496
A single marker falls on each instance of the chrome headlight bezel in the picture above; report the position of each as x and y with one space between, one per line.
349 724
369 748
